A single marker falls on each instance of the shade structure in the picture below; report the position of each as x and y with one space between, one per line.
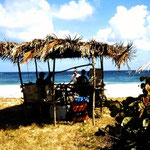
55 48
145 67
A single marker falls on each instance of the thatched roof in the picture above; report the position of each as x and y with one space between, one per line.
145 67
51 47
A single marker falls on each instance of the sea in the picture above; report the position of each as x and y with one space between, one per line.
110 77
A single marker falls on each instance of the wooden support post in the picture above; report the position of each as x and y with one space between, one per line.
21 82
54 103
102 72
36 68
20 76
94 83
66 94
50 86
48 66
102 88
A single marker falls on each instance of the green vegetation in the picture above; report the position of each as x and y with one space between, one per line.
132 128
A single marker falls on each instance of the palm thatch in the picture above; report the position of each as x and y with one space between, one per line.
123 55
145 67
52 47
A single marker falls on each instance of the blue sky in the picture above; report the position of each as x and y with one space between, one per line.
103 20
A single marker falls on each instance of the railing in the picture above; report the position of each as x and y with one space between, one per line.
64 93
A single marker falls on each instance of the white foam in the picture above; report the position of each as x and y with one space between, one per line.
112 90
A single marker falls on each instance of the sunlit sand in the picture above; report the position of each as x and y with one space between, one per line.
112 90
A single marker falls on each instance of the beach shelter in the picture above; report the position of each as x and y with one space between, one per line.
55 48
145 67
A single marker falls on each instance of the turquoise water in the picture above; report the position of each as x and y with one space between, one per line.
12 78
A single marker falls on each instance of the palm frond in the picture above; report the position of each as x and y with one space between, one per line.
53 47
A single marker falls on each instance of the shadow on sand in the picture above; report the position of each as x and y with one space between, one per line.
13 117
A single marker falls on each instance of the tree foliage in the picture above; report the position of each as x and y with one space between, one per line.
132 115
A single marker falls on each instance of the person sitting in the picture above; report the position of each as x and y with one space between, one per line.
82 80
82 83
41 83
74 77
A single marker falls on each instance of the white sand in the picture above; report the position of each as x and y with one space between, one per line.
112 90
123 90
10 91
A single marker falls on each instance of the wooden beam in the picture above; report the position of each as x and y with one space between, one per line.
74 68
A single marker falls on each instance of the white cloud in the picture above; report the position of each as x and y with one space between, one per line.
143 44
31 19
25 20
128 25
103 34
74 10
65 33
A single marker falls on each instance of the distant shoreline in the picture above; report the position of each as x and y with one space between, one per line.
59 70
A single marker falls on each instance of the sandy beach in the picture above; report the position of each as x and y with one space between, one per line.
111 90
10 91
123 90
